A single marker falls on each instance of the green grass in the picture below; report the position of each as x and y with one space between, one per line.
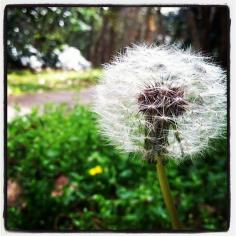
105 190
25 81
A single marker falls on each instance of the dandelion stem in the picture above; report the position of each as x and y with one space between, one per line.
165 188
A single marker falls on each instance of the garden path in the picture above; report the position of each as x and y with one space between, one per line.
27 101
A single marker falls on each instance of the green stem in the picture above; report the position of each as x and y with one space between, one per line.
165 188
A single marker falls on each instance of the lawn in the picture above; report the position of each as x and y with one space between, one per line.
26 81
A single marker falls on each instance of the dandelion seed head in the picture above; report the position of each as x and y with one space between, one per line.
153 99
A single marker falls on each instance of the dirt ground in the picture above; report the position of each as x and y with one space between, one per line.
27 101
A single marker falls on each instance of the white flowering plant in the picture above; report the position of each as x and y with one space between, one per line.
162 102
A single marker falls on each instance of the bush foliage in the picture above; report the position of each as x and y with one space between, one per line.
71 179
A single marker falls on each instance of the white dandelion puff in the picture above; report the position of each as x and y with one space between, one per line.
161 99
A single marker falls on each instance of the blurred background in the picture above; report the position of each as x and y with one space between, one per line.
61 174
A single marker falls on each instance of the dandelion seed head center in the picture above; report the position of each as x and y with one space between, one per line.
157 100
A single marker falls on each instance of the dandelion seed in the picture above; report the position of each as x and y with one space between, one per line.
151 93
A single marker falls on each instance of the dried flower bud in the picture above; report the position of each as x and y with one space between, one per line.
161 99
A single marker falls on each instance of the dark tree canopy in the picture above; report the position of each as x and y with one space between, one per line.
99 32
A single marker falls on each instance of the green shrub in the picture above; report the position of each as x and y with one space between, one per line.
103 189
